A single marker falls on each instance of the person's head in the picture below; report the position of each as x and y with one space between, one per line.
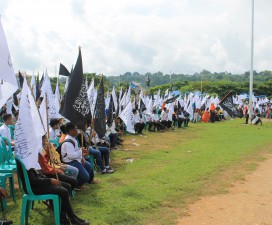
54 123
134 111
165 109
154 111
7 118
63 129
182 109
71 129
117 121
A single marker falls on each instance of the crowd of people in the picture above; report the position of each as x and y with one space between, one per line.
71 157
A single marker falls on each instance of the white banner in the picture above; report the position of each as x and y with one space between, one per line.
26 145
8 82
127 116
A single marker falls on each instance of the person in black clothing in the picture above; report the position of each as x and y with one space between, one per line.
41 184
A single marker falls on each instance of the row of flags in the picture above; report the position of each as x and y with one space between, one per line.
82 103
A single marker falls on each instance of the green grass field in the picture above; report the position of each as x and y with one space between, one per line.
169 171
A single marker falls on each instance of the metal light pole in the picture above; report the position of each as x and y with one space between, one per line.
250 106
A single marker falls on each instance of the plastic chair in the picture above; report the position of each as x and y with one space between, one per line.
3 179
29 197
7 151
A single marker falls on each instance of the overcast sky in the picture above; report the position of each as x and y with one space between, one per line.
116 36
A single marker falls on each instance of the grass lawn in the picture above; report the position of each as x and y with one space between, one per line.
169 170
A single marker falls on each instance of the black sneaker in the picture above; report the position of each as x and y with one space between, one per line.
108 171
76 221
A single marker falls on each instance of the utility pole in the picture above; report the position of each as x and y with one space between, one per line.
250 108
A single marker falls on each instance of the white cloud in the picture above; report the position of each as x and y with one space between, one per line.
146 36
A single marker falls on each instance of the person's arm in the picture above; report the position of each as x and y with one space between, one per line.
36 180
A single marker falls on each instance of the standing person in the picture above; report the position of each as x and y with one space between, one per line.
246 112
4 129
212 112
268 111
73 156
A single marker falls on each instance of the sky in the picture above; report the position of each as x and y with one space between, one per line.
118 36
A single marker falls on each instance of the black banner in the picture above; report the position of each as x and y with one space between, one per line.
99 112
63 71
75 105
227 104
110 112
170 100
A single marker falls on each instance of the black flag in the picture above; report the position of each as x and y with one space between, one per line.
227 104
75 105
142 106
99 112
21 79
63 71
110 112
170 100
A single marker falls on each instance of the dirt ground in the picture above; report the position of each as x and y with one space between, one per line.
247 203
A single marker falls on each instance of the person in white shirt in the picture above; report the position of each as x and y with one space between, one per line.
156 120
148 120
54 125
4 129
164 118
100 152
73 155
138 122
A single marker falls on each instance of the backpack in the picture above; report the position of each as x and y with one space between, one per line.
59 147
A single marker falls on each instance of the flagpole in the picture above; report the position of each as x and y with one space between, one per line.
250 110
48 139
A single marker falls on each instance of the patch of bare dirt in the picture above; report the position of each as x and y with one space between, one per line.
247 203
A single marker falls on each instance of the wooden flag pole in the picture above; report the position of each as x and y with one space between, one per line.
48 139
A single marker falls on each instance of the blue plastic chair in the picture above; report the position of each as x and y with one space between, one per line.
29 197
3 180
7 151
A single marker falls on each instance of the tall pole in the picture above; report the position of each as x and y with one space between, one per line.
250 108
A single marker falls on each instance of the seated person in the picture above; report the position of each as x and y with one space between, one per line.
148 120
73 155
42 185
54 125
181 117
100 153
206 116
63 133
119 127
113 136
67 169
49 169
138 122
4 129
164 119
4 194
156 121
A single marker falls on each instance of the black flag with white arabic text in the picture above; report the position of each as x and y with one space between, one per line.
227 104
75 105
99 112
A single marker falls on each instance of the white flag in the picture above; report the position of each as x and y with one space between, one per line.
26 145
8 82
114 98
127 116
